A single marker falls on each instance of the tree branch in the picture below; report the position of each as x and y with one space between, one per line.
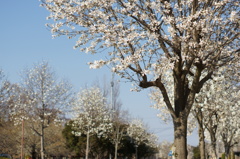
205 79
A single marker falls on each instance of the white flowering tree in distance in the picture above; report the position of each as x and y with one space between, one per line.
91 115
215 106
5 88
147 38
139 135
137 132
42 99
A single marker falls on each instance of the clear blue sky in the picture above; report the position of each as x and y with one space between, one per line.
25 40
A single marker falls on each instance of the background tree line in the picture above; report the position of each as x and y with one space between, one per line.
43 102
43 117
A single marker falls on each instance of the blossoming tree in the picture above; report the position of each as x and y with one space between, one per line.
137 131
91 115
147 38
216 105
229 127
4 95
42 99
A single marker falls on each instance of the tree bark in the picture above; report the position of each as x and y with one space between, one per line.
201 142
42 141
180 138
184 95
116 142
87 145
116 150
213 146
199 116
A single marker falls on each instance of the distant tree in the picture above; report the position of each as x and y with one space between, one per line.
102 147
10 137
219 105
73 142
43 99
9 133
229 92
139 135
32 144
55 142
99 147
146 39
91 115
5 94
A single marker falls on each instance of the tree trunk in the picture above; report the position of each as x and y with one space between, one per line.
180 138
201 142
227 150
116 150
201 135
116 142
213 146
87 145
22 142
42 141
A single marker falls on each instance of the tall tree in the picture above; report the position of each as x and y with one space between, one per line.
43 99
5 94
92 116
9 134
190 39
216 107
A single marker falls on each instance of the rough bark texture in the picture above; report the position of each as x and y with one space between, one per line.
180 138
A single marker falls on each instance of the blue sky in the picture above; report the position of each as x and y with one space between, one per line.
25 40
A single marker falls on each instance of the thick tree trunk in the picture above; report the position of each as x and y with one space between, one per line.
180 138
